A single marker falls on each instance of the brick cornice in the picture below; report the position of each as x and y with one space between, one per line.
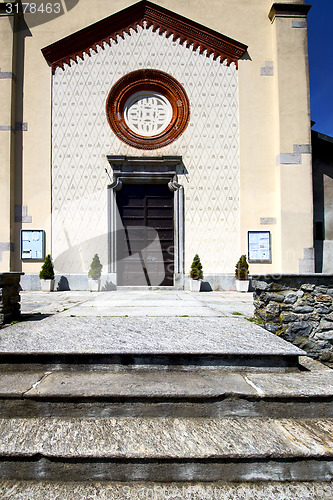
162 20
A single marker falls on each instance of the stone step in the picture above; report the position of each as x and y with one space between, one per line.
204 393
44 490
150 362
151 399
166 449
148 343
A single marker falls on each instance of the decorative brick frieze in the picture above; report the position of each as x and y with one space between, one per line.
144 14
299 309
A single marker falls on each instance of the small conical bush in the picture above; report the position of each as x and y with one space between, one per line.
196 272
47 271
242 268
95 270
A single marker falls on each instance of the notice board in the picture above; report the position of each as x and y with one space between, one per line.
32 244
259 246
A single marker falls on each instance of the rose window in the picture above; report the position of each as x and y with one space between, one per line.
147 114
148 109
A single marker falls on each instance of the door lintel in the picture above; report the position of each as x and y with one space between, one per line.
145 170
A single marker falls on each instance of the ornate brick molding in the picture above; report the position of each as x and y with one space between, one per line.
162 20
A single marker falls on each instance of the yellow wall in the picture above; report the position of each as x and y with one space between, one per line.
7 137
274 116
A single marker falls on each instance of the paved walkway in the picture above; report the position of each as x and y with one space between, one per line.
139 303
138 322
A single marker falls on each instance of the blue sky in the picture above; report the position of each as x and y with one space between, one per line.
320 33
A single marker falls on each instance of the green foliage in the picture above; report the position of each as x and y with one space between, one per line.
95 270
242 268
256 320
196 268
47 271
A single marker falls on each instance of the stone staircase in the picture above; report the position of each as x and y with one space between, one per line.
216 406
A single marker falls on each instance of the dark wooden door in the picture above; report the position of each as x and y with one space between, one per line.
145 249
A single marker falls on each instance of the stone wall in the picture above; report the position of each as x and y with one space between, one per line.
298 308
9 297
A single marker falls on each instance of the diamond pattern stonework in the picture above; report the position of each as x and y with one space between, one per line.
81 139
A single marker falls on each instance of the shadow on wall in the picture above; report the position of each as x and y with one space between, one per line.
206 287
109 287
138 248
77 282
63 284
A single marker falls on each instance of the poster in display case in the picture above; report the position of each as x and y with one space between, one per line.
259 246
32 244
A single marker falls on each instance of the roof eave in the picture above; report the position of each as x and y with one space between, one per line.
187 31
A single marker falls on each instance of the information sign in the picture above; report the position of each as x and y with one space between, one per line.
32 244
259 246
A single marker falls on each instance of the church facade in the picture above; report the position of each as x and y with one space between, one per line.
147 133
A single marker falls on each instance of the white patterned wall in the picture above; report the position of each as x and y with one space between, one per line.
81 139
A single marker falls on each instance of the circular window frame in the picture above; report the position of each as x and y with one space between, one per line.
148 80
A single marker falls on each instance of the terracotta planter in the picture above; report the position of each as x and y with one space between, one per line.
242 285
94 285
47 285
195 285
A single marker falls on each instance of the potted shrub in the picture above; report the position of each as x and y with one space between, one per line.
196 274
94 274
242 274
46 275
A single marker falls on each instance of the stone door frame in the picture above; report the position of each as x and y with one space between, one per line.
150 170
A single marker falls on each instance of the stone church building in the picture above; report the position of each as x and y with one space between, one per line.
151 132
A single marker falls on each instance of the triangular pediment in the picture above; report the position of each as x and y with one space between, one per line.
142 14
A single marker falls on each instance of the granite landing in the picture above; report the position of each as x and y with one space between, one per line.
115 343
